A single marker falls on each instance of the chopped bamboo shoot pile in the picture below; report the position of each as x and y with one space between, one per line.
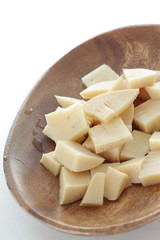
108 142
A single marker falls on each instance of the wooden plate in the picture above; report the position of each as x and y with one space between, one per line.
32 185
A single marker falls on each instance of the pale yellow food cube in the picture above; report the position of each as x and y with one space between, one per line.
137 147
127 115
154 91
50 162
67 101
140 77
111 155
119 84
67 124
147 116
47 132
132 168
109 135
73 185
103 168
100 74
106 106
154 141
96 89
115 183
76 157
95 191
103 87
150 171
89 144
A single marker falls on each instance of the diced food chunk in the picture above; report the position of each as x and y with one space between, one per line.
67 124
150 172
154 91
73 185
111 155
50 162
103 168
147 116
154 141
132 168
106 106
76 157
100 74
97 89
137 147
115 183
127 115
140 77
109 135
95 191
67 101
103 87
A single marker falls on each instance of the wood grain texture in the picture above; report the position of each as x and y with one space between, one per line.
32 185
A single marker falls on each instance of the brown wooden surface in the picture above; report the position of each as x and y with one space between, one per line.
32 185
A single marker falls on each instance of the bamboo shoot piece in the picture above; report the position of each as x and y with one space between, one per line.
95 191
100 74
137 147
147 116
73 185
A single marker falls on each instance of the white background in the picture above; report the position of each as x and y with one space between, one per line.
33 36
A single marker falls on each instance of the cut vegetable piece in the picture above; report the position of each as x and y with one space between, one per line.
97 89
67 124
50 162
143 94
104 87
103 168
154 91
109 135
99 110
112 154
140 77
100 74
115 183
154 141
132 168
120 100
150 172
147 116
106 106
137 147
89 144
127 115
73 185
119 84
47 131
95 191
67 101
76 157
